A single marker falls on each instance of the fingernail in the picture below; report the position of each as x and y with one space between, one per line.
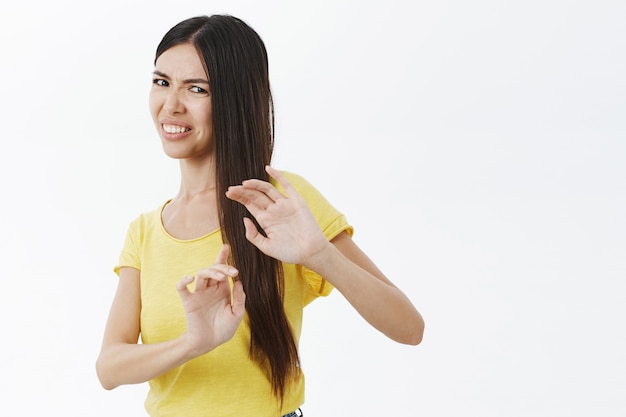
232 271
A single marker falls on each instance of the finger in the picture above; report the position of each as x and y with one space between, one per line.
238 300
181 287
252 233
217 272
280 178
222 255
220 269
264 187
254 200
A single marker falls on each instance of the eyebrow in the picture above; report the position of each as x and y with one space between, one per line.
188 81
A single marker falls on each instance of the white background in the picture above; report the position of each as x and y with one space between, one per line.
478 147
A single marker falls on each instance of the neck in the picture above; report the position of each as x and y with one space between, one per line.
197 179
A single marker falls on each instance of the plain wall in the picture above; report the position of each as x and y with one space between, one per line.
478 148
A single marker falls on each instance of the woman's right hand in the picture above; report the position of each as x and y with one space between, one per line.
212 319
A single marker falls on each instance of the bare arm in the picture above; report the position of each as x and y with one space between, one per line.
211 321
286 219
122 360
367 289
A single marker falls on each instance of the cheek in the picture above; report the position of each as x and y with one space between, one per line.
205 116
153 106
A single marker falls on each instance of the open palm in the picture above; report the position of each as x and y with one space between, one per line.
292 234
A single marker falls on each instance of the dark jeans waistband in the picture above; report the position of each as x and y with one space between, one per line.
297 413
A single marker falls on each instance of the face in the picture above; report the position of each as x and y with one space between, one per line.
180 104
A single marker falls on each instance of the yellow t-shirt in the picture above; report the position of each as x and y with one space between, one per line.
224 382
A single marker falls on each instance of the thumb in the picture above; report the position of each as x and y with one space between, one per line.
239 300
222 255
182 289
252 233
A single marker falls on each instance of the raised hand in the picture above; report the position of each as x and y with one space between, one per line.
212 318
292 234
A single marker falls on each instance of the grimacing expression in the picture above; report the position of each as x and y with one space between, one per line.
180 103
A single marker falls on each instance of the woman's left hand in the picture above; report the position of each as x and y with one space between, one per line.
292 234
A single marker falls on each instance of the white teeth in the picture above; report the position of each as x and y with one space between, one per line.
174 129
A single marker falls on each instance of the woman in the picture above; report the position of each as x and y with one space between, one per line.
226 344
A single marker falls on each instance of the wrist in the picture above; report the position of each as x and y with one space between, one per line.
191 349
320 259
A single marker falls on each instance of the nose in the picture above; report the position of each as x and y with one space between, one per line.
173 104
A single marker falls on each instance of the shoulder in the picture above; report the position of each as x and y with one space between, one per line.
300 184
147 220
293 178
331 220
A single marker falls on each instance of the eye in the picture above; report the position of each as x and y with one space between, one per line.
199 90
160 82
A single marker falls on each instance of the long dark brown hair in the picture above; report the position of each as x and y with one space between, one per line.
236 63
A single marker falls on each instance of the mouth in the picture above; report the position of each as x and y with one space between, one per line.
174 129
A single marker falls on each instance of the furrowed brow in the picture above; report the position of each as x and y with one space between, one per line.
160 74
188 81
195 81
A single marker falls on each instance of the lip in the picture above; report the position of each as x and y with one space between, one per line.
174 136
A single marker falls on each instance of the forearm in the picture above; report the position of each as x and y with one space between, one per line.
122 363
380 303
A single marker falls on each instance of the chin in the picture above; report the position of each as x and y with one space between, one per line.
183 152
174 153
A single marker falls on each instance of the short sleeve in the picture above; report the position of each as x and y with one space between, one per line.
130 255
331 221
